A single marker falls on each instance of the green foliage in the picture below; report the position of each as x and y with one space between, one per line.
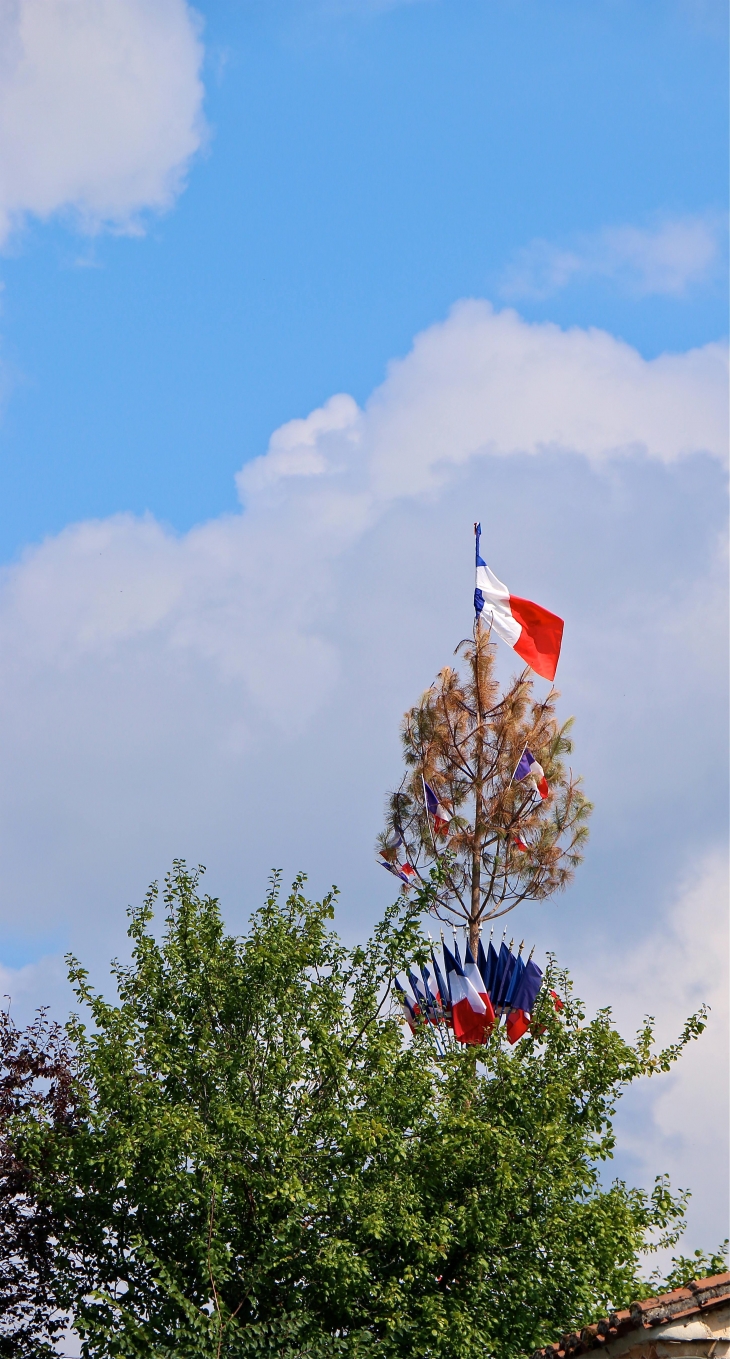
260 1164
699 1265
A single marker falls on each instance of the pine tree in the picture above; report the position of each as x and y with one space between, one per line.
504 843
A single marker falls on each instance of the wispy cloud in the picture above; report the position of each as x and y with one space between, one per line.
669 258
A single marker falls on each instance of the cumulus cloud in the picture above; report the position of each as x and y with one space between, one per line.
100 108
486 382
667 259
669 975
233 694
479 387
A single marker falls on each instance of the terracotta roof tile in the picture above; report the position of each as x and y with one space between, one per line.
697 1297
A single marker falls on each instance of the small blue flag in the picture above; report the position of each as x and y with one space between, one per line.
506 977
443 988
518 973
501 963
526 995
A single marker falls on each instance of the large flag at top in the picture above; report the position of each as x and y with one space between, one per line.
533 632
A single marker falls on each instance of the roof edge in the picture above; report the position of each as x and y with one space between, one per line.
697 1296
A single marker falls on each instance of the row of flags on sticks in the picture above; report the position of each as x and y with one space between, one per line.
393 857
471 996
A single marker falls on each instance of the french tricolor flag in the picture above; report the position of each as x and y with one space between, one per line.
409 1009
471 1021
471 970
533 632
443 997
436 810
529 768
401 867
404 871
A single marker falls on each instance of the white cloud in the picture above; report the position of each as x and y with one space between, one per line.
490 383
22 987
100 108
667 259
297 449
479 386
246 594
233 694
669 973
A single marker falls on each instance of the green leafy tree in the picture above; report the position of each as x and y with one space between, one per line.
260 1161
505 844
685 1268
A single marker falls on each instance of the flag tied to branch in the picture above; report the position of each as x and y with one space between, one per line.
393 857
472 997
436 810
398 865
529 768
533 632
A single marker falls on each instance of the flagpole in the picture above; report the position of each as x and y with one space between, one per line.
479 827
446 979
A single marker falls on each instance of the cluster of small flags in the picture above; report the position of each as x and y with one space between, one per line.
471 996
394 856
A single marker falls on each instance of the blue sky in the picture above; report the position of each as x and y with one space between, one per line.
365 166
293 293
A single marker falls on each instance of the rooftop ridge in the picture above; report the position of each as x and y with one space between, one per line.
691 1299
